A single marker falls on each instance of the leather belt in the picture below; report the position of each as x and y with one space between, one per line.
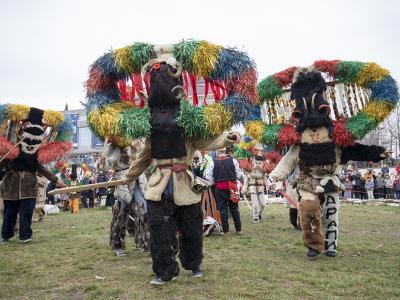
174 167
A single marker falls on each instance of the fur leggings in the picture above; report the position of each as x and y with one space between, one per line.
319 224
165 219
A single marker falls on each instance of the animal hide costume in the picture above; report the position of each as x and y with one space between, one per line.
20 167
129 210
173 127
319 161
257 164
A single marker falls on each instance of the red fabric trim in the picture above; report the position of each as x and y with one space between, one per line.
122 88
205 91
222 185
186 81
132 93
193 82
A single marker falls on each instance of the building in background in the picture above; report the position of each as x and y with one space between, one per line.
86 145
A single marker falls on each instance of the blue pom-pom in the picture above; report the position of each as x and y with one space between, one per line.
107 65
247 139
255 113
231 63
100 99
385 89
238 106
3 113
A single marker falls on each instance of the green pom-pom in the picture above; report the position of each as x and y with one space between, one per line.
184 52
348 71
268 89
241 153
135 123
361 124
141 54
192 121
270 135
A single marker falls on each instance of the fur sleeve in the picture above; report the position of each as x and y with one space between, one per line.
218 142
360 152
142 162
287 164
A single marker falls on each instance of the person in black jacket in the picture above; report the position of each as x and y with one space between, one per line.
224 172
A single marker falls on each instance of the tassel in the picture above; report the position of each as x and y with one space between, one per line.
193 82
122 88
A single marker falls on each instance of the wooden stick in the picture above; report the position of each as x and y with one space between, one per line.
247 202
86 187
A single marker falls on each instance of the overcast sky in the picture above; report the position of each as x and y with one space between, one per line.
47 46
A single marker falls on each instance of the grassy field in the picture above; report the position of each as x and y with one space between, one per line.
267 262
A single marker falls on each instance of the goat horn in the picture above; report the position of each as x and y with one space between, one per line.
181 93
313 101
178 71
305 103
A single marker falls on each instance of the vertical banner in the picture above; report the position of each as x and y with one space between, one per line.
73 118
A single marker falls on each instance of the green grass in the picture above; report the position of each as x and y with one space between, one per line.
267 262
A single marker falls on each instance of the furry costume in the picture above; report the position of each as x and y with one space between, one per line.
319 161
19 187
127 212
173 129
172 205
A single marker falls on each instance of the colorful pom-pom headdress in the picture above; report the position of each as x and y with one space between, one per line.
249 148
119 83
46 134
359 95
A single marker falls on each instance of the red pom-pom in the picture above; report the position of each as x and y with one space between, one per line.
285 77
327 66
245 84
53 151
288 136
398 169
245 164
5 146
341 136
274 156
98 81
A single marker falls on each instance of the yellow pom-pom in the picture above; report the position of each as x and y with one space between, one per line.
123 58
53 118
379 110
106 120
205 58
255 129
18 112
371 72
217 118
